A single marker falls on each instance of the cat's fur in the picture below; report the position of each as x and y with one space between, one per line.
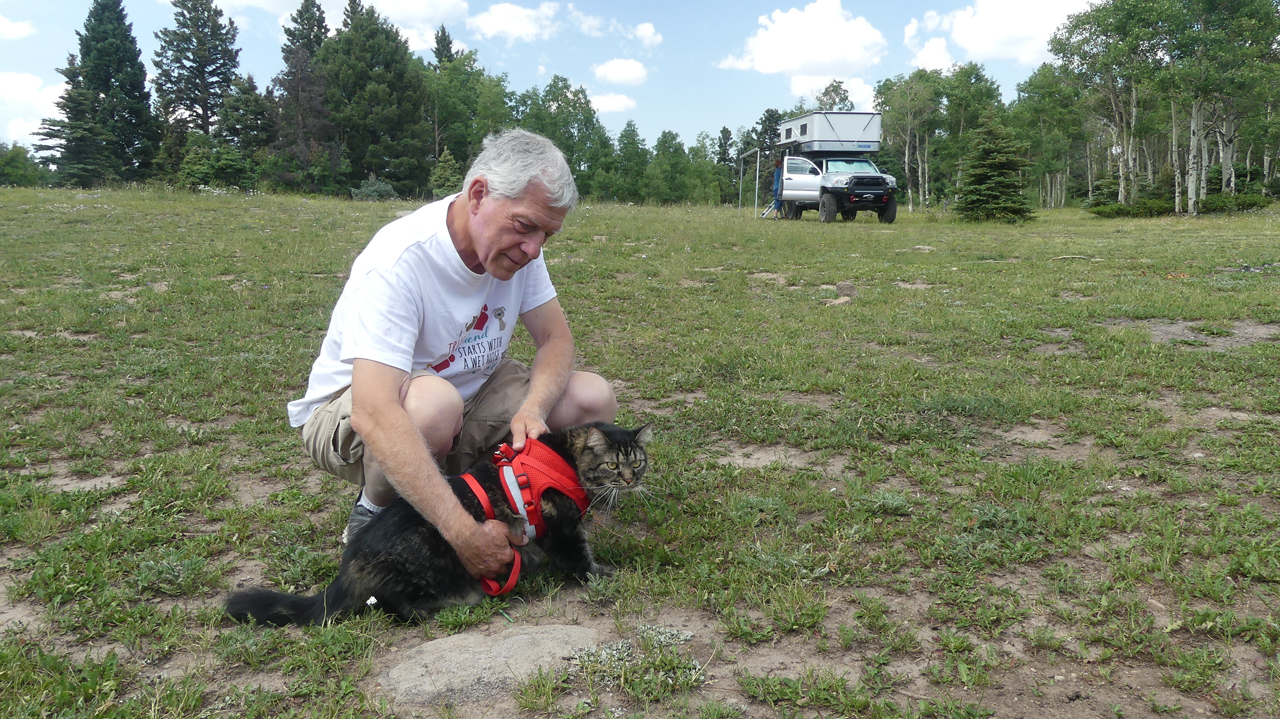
403 561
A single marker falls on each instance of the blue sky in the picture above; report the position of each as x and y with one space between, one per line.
688 67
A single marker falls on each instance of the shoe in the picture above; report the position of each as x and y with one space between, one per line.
360 516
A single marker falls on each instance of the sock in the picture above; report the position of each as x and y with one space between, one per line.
364 502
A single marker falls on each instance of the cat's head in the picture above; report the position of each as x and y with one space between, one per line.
610 460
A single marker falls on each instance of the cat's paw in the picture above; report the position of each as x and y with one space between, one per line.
600 570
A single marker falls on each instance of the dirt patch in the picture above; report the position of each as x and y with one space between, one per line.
1181 332
1040 439
769 277
1070 296
916 285
818 400
755 456
667 407
686 283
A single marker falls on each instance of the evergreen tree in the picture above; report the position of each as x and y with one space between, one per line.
666 179
81 145
446 177
195 65
247 120
444 48
308 32
376 91
724 148
991 182
112 72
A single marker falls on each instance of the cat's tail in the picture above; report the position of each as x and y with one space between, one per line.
278 608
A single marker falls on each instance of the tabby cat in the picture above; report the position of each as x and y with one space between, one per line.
402 560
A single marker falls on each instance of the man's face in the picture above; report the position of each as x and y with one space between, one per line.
508 233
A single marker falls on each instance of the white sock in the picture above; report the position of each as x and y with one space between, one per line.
364 502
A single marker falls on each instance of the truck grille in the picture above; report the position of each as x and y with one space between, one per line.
867 182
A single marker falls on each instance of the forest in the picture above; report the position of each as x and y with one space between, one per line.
1149 107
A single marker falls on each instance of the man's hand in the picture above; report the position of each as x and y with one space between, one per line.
485 550
526 424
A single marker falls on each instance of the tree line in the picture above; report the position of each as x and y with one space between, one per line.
1153 105
1168 103
353 111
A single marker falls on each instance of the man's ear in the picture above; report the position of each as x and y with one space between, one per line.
475 192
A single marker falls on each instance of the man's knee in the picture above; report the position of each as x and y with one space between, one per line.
587 398
435 407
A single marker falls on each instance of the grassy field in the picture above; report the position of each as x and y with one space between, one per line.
1023 471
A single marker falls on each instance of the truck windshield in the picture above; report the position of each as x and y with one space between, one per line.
850 166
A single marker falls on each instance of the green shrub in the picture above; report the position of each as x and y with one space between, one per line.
373 189
1227 203
1141 208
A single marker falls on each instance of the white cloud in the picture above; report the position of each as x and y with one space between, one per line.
933 56
542 70
621 72
647 35
1002 29
26 101
612 102
823 38
588 24
808 86
11 30
513 22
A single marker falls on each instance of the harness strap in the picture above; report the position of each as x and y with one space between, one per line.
489 586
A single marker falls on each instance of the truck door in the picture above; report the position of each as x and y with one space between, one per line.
800 180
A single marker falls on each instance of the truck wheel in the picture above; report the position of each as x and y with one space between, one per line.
849 215
890 211
827 208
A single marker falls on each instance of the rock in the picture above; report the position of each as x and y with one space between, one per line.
846 289
404 213
839 301
473 667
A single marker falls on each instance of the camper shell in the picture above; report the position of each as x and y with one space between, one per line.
825 167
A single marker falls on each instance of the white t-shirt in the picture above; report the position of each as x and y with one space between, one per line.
412 304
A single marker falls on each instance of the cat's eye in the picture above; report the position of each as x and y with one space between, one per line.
611 465
638 463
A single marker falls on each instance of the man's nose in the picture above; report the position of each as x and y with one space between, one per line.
532 246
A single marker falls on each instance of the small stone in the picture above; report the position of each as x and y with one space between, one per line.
846 289
404 213
838 301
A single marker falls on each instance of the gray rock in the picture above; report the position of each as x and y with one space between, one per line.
473 667
846 289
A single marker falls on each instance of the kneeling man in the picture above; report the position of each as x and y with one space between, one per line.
413 369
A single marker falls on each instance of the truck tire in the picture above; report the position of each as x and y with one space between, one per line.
827 208
890 211
849 215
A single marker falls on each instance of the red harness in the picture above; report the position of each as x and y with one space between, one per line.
525 476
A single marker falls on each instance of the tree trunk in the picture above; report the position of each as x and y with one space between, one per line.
1173 159
1088 162
906 167
1194 157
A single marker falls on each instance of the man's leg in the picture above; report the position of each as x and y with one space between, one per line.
587 398
436 410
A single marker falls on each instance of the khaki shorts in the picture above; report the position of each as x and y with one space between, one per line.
486 423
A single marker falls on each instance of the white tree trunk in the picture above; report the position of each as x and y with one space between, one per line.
1194 158
1173 159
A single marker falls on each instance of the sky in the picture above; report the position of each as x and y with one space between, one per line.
689 67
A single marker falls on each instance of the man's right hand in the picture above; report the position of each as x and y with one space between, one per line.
485 550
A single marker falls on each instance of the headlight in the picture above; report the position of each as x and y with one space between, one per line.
841 182
893 181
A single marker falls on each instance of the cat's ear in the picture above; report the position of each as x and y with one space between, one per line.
598 441
643 435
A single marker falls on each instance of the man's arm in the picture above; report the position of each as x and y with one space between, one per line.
378 416
552 366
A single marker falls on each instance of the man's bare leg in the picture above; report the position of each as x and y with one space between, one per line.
587 398
436 410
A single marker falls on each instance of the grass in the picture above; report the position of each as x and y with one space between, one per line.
989 446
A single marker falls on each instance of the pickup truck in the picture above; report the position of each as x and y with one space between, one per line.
836 184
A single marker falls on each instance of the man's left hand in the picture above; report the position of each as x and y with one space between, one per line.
526 424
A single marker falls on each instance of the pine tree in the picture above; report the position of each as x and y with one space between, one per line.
83 156
112 72
990 184
195 65
633 162
446 177
375 92
308 32
247 120
444 48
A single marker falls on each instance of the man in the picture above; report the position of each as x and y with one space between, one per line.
413 370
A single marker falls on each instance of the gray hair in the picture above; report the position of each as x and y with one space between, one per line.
514 158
